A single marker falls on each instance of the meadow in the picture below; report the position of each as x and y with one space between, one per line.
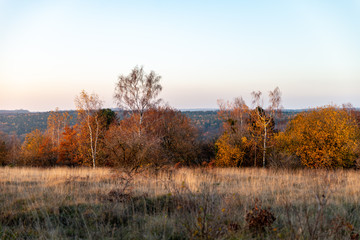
184 203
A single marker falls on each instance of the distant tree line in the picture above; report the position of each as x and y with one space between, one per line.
152 134
21 124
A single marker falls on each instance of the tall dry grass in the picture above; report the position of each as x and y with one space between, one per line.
82 203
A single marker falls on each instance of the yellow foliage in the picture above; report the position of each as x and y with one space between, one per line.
228 154
324 137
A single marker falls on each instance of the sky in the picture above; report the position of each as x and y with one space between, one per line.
204 50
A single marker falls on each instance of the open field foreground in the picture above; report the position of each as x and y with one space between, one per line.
82 203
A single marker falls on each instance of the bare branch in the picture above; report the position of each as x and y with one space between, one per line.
256 99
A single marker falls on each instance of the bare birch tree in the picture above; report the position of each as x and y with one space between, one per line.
88 107
264 118
234 113
138 92
56 125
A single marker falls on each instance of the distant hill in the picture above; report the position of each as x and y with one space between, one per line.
22 122
13 111
199 110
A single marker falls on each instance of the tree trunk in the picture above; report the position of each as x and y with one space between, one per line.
91 141
140 122
255 155
264 151
96 139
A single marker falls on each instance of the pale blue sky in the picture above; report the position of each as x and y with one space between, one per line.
204 50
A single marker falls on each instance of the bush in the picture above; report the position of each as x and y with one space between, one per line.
258 218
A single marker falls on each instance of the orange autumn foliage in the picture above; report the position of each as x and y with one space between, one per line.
323 137
68 151
37 150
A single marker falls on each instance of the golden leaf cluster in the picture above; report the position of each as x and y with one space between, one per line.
323 137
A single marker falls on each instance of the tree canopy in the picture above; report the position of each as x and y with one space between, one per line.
323 137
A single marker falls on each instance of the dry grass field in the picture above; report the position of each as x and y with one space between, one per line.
82 203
